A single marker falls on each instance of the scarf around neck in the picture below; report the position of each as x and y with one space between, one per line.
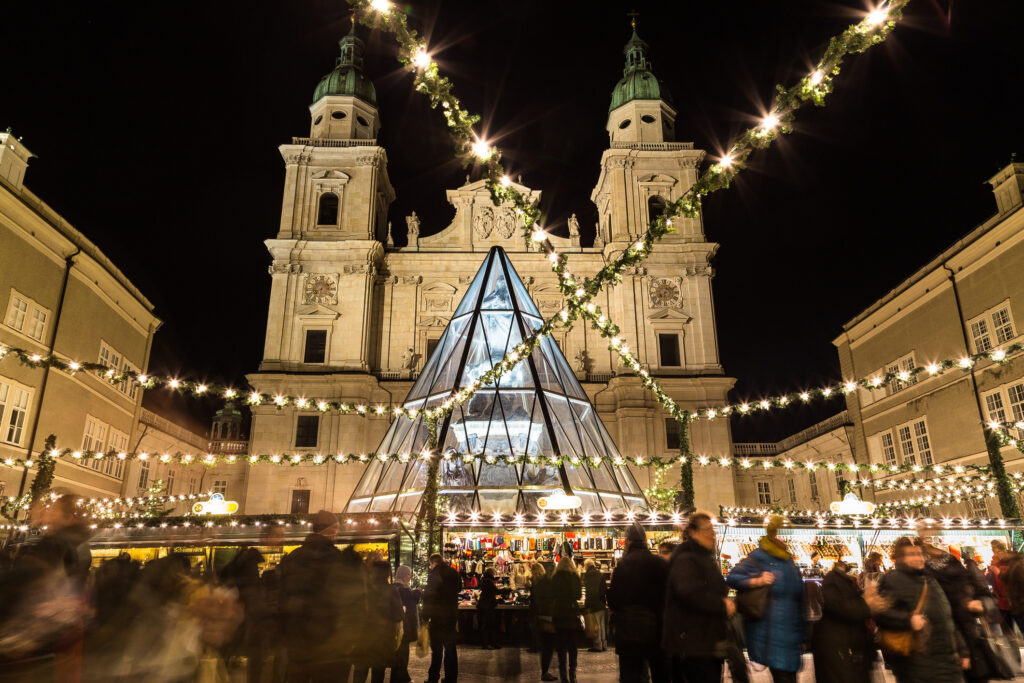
774 549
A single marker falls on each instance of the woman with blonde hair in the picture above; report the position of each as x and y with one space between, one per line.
566 591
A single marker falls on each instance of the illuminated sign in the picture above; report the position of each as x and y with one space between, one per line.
852 505
559 501
216 505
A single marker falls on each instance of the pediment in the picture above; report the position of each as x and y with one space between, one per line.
432 321
672 314
317 312
331 174
657 178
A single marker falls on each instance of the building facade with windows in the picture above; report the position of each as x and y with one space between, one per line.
967 300
60 295
358 303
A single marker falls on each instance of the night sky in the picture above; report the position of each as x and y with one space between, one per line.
156 127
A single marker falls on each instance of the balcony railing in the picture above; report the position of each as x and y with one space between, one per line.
150 418
327 142
757 448
653 146
229 447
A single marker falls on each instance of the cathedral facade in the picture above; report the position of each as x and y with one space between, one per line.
353 318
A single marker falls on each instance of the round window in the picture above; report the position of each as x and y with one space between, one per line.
339 115
624 124
318 120
647 118
362 121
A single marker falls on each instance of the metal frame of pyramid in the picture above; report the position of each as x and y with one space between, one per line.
536 412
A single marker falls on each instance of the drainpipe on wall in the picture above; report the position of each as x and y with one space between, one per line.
967 347
68 263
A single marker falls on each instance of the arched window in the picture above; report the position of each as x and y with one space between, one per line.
655 205
328 213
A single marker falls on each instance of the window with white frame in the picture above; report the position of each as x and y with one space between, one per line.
114 360
977 507
992 328
143 474
995 407
764 492
117 441
901 365
220 486
14 402
923 443
888 449
792 489
26 316
813 478
130 387
839 481
169 488
191 485
95 436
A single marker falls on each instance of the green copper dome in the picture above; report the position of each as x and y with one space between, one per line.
347 77
638 83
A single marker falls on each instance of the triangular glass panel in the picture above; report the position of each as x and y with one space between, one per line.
514 420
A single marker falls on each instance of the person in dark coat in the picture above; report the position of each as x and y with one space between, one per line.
410 629
322 604
636 598
940 655
384 619
566 591
694 631
441 609
775 640
243 574
843 648
956 583
487 610
541 621
596 602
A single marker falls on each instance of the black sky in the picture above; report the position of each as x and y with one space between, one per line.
156 127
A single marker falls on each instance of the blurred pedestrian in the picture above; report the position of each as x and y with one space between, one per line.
872 570
487 610
913 602
695 632
776 639
384 627
410 599
636 598
322 595
665 550
844 651
242 573
596 604
566 591
541 622
441 609
1006 577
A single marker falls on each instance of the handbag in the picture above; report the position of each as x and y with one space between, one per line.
1000 655
753 602
902 643
423 640
590 626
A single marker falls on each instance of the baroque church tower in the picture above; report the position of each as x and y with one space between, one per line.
354 318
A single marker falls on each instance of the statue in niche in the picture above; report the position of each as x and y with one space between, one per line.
409 359
598 242
412 227
583 362
574 227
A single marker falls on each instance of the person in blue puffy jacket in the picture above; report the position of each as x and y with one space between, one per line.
775 640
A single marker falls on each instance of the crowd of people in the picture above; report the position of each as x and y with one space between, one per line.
329 614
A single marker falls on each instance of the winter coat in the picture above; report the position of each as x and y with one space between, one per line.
637 591
441 598
566 591
540 598
775 640
385 615
694 622
1009 582
488 594
410 603
939 660
597 590
843 647
310 601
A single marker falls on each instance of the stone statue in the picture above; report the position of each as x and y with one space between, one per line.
574 226
598 242
412 226
391 241
409 359
582 362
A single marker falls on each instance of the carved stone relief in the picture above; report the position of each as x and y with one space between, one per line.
506 222
483 222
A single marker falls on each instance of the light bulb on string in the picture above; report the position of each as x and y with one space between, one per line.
382 6
769 122
421 59
482 149
877 16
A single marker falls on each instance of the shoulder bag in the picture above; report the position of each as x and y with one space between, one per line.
902 643
752 603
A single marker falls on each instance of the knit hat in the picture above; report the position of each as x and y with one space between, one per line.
324 520
775 522
636 536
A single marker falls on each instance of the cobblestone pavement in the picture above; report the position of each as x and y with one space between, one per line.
477 665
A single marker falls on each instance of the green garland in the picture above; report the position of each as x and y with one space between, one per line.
686 466
1007 499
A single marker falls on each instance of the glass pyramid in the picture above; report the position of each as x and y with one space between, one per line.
498 446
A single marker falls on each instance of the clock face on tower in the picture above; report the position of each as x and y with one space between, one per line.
321 289
664 293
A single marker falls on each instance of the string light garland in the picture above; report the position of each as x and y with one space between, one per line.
733 516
